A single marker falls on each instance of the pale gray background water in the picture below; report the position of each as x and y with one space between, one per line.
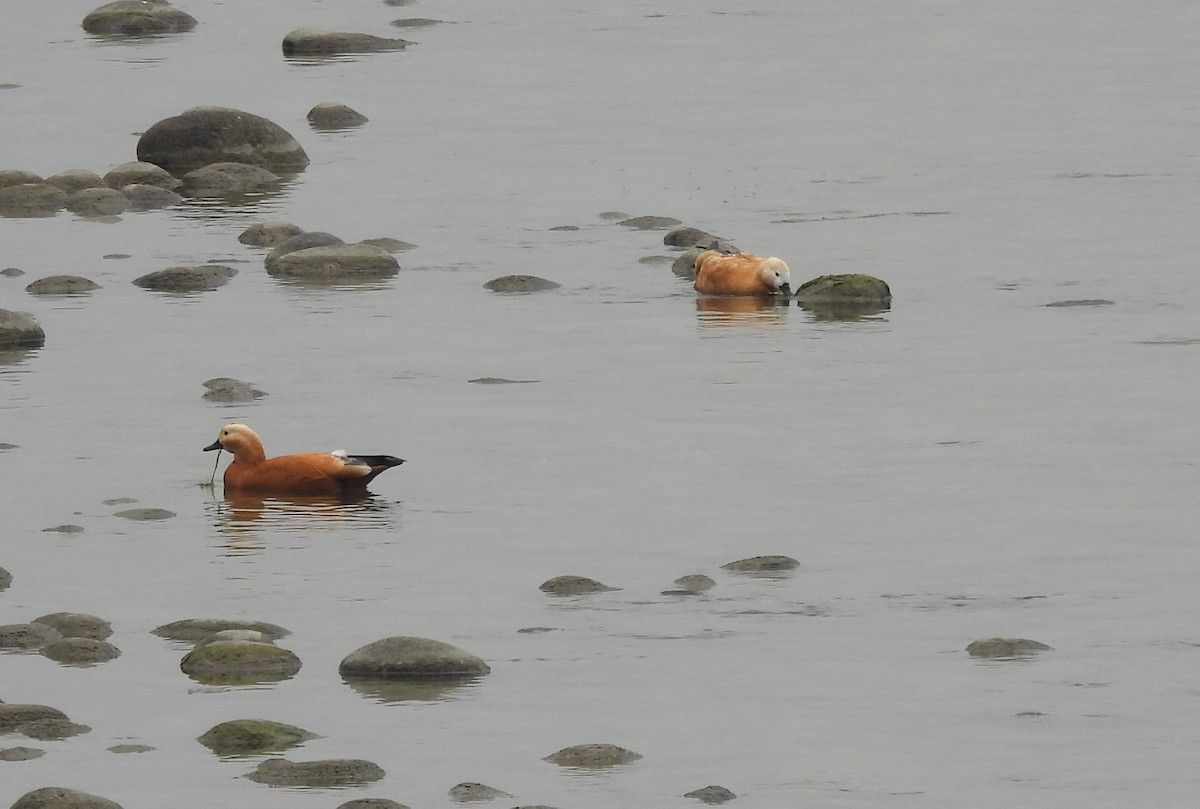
966 465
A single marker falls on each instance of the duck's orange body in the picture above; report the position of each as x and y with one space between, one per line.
720 273
313 473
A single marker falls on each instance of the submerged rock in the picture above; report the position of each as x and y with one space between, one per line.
204 135
712 794
21 753
372 803
693 584
689 237
5 579
650 222
762 564
146 197
573 586
138 18
1005 647
196 630
81 651
249 736
229 662
225 389
307 41
28 636
51 729
139 172
73 180
403 657
200 278
854 288
96 202
323 773
592 756
336 262
77 625
469 791
229 179
13 715
1082 302
145 514
18 177
31 199
62 798
269 234
61 285
331 115
301 241
520 283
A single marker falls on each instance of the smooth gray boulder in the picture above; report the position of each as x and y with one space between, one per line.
311 42
405 657
77 625
200 278
31 199
73 180
138 18
204 135
330 115
62 798
147 197
97 201
228 179
20 330
61 285
139 172
520 283
322 773
592 756
337 262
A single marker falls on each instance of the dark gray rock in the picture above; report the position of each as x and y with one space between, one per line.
13 715
225 389
73 180
228 179
200 278
334 263
520 283
224 661
849 289
308 42
331 115
146 197
372 803
252 736
77 625
205 135
144 514
323 773
762 564
21 753
712 794
62 798
301 241
688 237
18 177
1005 647
270 234
45 730
139 172
31 200
138 18
61 285
573 586
470 791
81 651
197 630
650 222
592 756
97 201
27 636
403 657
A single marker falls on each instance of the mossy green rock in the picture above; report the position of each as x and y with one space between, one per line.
239 662
852 289
1005 647
247 736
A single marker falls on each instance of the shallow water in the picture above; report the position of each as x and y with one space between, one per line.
969 464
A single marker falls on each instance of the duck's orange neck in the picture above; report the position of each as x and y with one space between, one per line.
249 454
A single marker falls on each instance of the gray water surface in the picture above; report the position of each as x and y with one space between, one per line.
971 463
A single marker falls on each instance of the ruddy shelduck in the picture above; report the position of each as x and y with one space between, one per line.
312 473
720 273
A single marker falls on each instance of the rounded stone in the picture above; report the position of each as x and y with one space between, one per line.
18 177
1005 647
389 244
712 794
336 262
650 222
97 201
139 172
331 115
249 736
46 730
20 330
269 234
21 753
205 135
688 237
592 756
13 715
144 514
81 651
322 773
239 662
229 179
471 791
372 803
28 636
201 278
308 41
31 199
404 657
573 586
138 18
196 630
77 625
301 241
520 283
147 197
850 289
73 180
61 285
5 579
224 389
762 564
693 584
62 798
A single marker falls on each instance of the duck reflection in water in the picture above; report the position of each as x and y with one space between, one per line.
304 512
733 310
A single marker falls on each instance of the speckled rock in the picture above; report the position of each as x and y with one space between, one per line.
224 389
146 197
650 222
97 202
307 41
197 630
251 736
225 661
1081 302
693 584
470 791
573 586
21 753
27 636
389 244
20 330
5 579
122 749
73 180
13 715
139 172
331 115
204 135
416 22
229 179
144 514
321 773
138 18
336 263
18 177
47 730
301 241
270 234
66 528
31 199
61 285
1005 647
851 289
712 794
199 278
77 625
81 651
592 756
372 803
62 798
520 283
762 564
689 237
403 657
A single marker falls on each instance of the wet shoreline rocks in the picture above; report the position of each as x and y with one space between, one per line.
202 136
